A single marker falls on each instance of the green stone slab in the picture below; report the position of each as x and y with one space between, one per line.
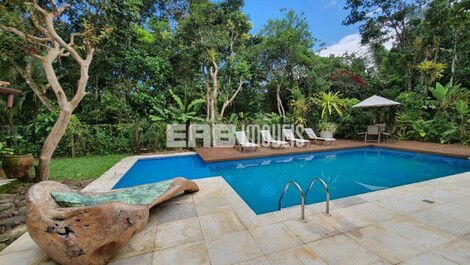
138 195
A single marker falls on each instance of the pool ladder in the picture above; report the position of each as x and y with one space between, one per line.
303 195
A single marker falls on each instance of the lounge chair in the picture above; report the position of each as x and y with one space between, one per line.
243 143
267 138
313 137
289 135
372 130
89 228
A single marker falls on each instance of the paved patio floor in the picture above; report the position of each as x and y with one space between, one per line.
215 226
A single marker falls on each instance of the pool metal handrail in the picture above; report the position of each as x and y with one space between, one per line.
327 193
302 198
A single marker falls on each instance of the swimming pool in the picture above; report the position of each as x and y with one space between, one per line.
260 181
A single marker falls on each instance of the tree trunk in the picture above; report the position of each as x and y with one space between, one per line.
454 59
54 47
228 102
51 143
280 107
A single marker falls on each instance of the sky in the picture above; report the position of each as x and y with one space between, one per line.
324 16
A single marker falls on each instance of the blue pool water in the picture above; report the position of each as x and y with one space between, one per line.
260 181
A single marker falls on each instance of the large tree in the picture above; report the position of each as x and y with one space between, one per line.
285 54
39 38
389 20
213 39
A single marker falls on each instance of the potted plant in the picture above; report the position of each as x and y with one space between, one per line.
16 165
327 129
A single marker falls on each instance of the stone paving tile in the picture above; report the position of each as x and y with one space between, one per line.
381 194
256 261
340 249
399 239
173 212
371 213
455 210
153 216
177 233
290 213
191 254
456 188
274 237
466 237
463 180
438 195
146 259
224 222
48 262
446 223
233 248
348 201
315 228
183 198
210 199
28 257
428 258
318 208
245 214
344 220
406 204
23 243
141 243
465 201
302 255
457 251
439 182
265 219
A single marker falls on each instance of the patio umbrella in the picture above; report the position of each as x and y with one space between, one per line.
376 101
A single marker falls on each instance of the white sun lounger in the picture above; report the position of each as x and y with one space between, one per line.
267 138
243 143
289 135
312 136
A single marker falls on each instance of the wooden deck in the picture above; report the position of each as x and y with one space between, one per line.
227 153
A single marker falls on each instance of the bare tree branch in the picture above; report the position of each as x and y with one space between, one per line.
230 101
38 8
23 35
38 25
59 10
27 75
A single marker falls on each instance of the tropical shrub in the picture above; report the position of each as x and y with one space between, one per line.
4 150
300 108
431 71
463 110
327 126
262 118
330 103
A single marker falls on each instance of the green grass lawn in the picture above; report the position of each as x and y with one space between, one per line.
82 168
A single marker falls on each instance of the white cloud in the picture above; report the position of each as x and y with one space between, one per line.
328 3
350 44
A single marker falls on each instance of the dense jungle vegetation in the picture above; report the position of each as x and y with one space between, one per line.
163 61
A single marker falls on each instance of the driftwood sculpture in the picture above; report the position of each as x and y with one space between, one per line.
92 233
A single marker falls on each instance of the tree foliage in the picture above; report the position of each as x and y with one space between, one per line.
162 61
